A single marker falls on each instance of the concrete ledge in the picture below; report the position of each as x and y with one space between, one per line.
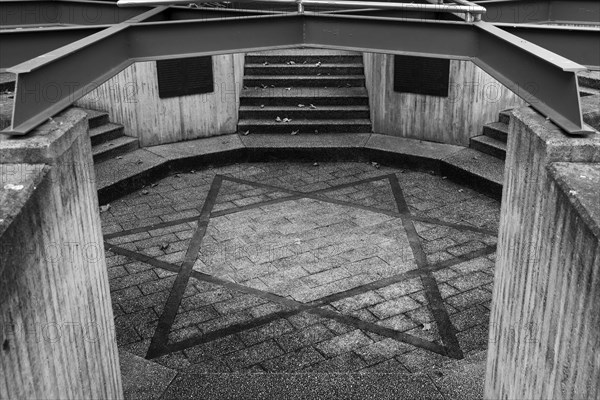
17 184
579 183
132 171
45 143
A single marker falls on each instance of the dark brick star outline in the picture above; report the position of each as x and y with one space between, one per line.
160 342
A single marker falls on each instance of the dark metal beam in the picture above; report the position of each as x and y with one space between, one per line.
444 39
532 11
544 79
50 83
21 12
20 45
160 40
576 44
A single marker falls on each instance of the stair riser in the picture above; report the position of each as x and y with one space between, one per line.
492 151
287 128
99 120
495 134
504 118
106 136
294 101
282 59
323 82
304 114
116 151
589 82
304 70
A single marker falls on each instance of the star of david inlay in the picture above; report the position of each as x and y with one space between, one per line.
346 260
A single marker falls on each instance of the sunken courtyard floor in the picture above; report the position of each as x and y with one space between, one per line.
291 267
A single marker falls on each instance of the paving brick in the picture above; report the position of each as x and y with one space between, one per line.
297 339
131 280
156 300
193 317
254 355
238 303
359 301
346 362
131 292
398 322
271 330
400 289
344 343
382 350
394 307
215 348
468 299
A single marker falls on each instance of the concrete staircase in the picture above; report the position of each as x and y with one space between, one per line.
304 91
108 139
482 164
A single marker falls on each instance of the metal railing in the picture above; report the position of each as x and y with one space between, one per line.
472 11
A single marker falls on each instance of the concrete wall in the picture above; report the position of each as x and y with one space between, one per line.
475 98
131 99
56 322
544 339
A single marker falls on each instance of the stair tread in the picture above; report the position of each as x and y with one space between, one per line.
295 77
500 126
296 108
113 144
99 130
489 141
313 93
255 121
479 164
94 113
300 65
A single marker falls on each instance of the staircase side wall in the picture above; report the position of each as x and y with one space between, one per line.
544 340
131 98
57 330
474 99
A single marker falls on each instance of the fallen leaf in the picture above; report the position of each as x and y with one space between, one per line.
164 246
278 119
295 132
313 106
262 106
461 190
316 164
573 192
376 165
265 63
145 192
154 185
245 133
104 208
10 186
300 105
288 88
139 162
426 326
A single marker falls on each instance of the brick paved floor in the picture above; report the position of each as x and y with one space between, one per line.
288 267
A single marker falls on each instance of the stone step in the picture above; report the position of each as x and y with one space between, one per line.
114 148
305 69
305 126
105 133
496 130
96 118
308 95
590 79
285 81
307 57
504 117
488 145
475 169
323 112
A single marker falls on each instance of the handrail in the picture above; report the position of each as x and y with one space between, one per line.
458 6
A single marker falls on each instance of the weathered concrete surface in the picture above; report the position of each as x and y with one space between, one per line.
57 329
544 337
